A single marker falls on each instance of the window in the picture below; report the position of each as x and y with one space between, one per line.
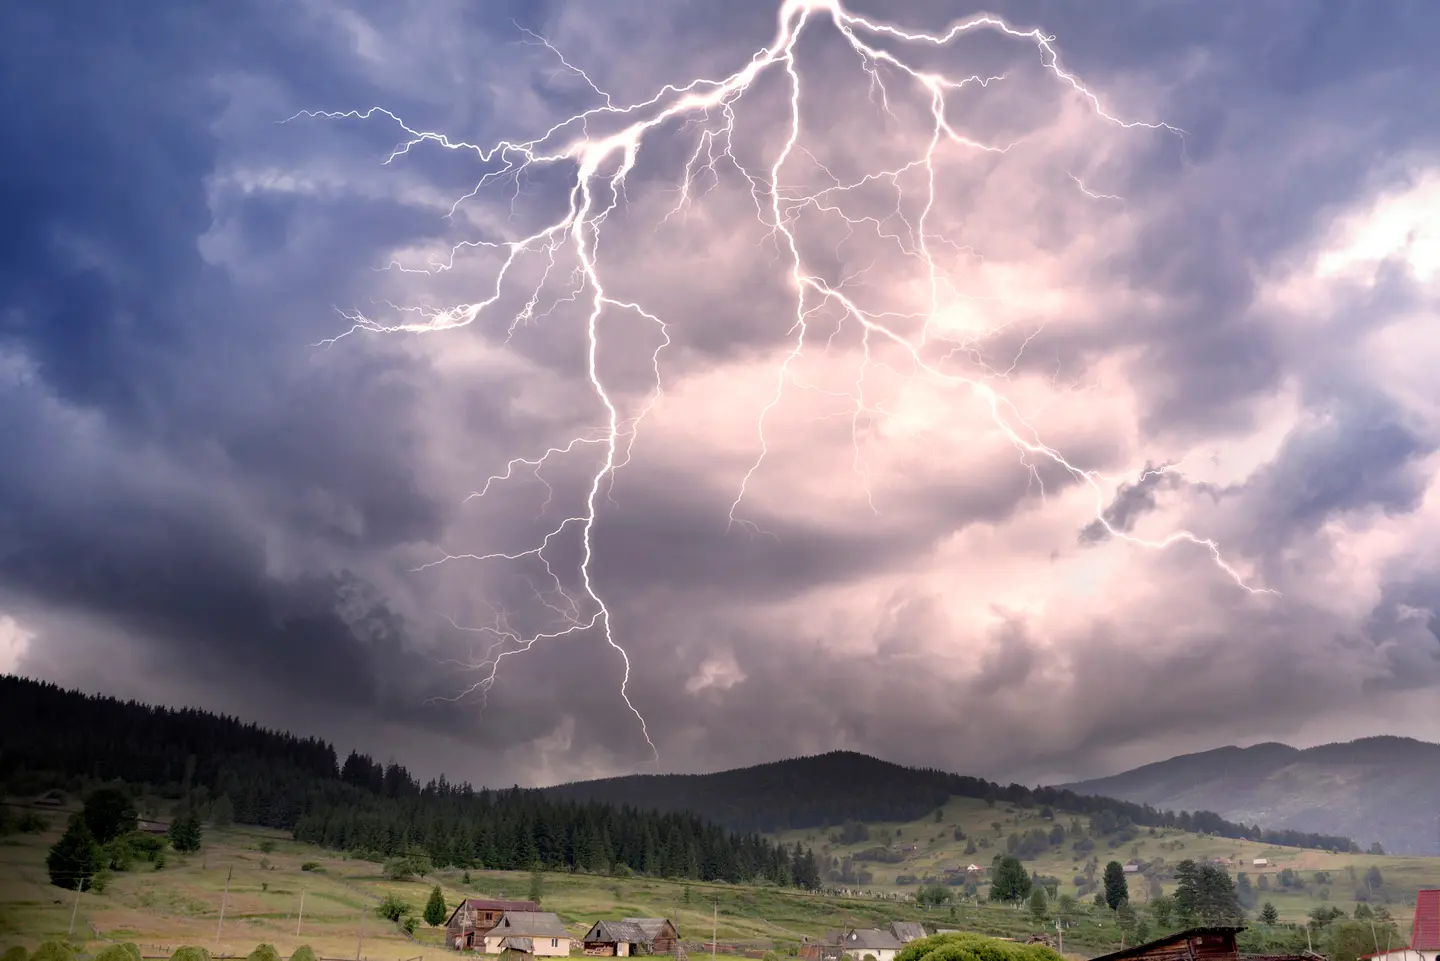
554 942
489 916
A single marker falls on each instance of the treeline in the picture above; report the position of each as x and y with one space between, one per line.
843 786
53 738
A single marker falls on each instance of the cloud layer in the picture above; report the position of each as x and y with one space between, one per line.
1223 324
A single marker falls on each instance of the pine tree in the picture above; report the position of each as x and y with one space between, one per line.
1187 892
109 813
435 908
1268 914
1117 890
537 886
75 858
1039 905
185 832
1009 882
222 812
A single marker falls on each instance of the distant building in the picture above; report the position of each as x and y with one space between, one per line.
1260 862
474 917
1132 868
530 932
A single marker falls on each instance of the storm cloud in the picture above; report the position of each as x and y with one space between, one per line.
217 489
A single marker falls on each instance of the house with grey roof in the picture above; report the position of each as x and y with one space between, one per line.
662 934
616 939
907 931
532 932
874 943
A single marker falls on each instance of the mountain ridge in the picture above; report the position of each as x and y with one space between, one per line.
1383 788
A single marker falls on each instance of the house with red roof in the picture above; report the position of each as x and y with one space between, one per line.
1424 934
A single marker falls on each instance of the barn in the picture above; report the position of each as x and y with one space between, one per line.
474 917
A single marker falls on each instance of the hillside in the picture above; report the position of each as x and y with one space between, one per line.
1375 789
289 893
831 789
899 856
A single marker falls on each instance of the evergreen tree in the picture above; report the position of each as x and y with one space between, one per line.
1268 914
435 913
1187 892
185 831
75 858
222 812
1117 890
1009 882
537 886
1039 905
109 813
1219 902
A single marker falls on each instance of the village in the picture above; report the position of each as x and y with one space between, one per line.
518 929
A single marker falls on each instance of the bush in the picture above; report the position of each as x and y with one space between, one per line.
304 953
310 865
264 952
16 953
399 869
393 908
190 954
410 924
973 947
32 823
53 951
267 847
119 952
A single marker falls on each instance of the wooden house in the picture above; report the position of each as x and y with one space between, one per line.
529 932
662 934
1198 944
615 939
474 917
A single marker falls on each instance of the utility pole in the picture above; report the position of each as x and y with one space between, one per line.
714 927
223 898
360 933
76 909
301 916
1060 936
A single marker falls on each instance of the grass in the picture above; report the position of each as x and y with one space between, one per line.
180 905
937 849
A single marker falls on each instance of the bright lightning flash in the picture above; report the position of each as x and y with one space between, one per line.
601 163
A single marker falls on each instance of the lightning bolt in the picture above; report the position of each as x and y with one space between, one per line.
600 163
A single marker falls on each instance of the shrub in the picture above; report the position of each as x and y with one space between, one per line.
393 908
16 953
267 846
399 869
264 952
133 950
973 947
190 954
118 952
32 823
410 924
304 953
53 951
310 865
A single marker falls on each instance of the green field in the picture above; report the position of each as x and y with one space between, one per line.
179 905
936 849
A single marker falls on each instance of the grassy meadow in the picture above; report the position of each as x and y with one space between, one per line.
937 849
180 904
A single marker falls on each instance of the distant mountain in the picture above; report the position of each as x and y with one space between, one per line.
1384 789
842 786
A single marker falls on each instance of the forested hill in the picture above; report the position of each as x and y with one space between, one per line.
53 738
831 789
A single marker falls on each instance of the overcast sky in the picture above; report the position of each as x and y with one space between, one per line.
1206 237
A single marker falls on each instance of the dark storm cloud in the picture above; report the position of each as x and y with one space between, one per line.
184 469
